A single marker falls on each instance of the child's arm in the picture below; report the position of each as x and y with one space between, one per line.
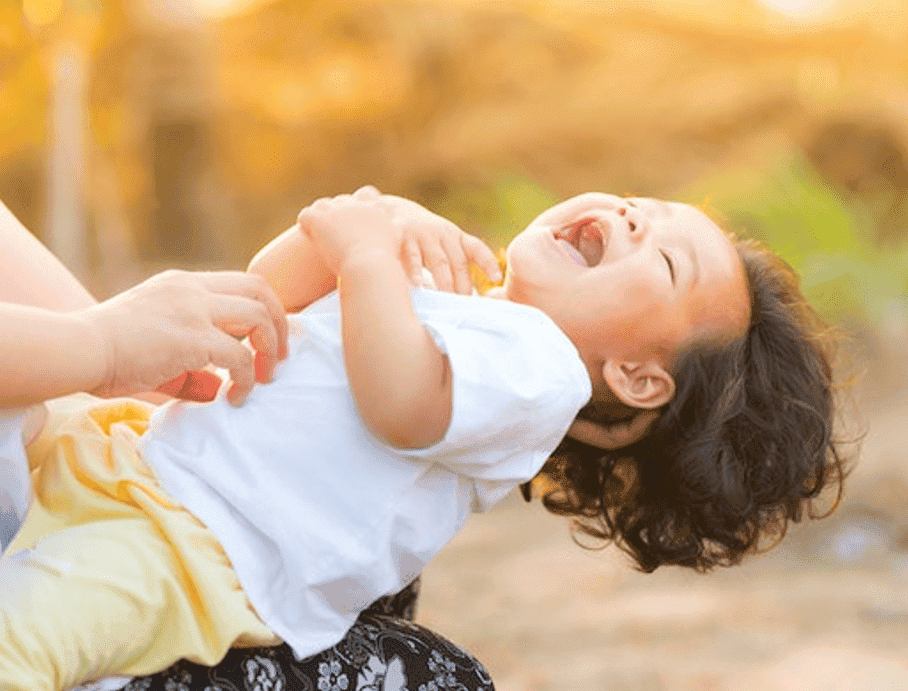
293 267
400 379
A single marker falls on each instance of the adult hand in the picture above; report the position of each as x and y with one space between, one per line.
179 322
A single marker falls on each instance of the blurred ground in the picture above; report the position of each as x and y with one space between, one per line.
827 610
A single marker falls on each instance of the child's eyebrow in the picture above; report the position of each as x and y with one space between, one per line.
659 205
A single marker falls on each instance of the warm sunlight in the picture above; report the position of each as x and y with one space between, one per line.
222 8
800 9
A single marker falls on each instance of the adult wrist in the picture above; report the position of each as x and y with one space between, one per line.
99 350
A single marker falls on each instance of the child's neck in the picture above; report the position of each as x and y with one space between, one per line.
593 365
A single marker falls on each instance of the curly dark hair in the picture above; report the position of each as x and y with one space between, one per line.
745 446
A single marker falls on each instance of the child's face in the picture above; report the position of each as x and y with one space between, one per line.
629 278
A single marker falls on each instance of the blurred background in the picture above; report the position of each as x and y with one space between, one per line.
142 134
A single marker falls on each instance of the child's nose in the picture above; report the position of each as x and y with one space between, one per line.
634 227
631 218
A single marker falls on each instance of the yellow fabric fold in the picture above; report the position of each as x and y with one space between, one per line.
148 582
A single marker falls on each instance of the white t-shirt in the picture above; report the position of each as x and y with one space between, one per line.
15 485
318 516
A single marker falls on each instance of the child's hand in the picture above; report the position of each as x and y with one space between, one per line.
349 223
434 242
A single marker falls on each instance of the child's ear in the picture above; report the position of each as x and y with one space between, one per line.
639 384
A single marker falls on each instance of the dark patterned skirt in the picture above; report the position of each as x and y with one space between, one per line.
383 651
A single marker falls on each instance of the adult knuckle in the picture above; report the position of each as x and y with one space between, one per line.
246 357
261 314
240 357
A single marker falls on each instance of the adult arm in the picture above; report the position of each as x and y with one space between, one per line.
31 274
47 354
56 340
172 323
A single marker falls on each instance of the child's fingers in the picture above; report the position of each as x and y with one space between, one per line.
411 257
437 262
480 254
458 262
367 193
308 217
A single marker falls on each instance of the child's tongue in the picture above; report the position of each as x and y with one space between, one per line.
572 251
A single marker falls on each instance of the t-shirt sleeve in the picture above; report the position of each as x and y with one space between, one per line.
15 488
517 384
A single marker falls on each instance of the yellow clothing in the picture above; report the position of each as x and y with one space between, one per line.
108 575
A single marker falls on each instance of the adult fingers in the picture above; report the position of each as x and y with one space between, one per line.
265 362
254 287
480 254
239 360
239 316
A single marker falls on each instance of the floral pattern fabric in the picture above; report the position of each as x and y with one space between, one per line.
383 651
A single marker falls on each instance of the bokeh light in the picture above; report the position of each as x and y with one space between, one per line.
42 12
209 123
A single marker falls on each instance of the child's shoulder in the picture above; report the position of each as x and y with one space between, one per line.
431 300
428 299
497 321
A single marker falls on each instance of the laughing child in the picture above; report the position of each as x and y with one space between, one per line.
667 384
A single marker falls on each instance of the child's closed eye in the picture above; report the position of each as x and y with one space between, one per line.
671 264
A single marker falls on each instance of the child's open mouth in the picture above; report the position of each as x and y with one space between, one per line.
583 241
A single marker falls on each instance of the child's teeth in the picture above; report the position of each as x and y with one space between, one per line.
572 251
